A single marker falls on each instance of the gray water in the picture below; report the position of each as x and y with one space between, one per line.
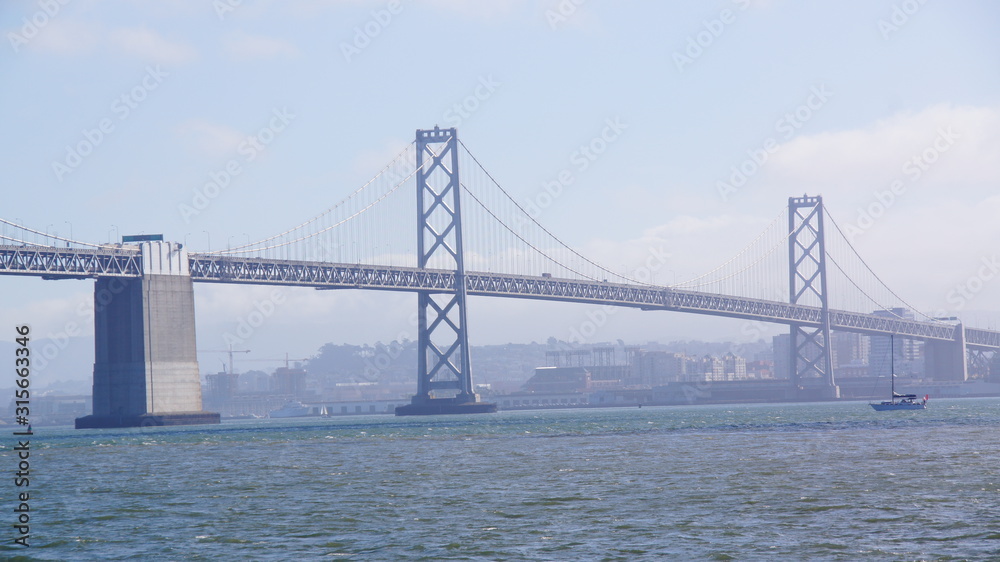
831 481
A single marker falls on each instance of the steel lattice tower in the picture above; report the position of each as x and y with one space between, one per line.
809 347
442 334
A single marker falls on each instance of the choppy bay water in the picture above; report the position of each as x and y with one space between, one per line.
748 482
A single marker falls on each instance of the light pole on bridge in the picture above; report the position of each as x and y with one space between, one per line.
209 236
229 241
673 274
114 228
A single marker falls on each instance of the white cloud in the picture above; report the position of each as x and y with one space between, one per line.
149 45
244 46
944 208
862 160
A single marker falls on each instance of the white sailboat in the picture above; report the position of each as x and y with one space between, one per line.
898 401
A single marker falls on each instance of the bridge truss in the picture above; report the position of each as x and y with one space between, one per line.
77 263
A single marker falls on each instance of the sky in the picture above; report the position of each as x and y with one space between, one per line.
115 113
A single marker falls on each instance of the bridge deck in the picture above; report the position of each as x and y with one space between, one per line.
55 263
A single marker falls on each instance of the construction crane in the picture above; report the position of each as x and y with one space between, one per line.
286 360
230 351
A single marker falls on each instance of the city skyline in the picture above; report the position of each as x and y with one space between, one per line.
69 364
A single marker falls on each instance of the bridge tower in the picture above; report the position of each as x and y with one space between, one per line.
948 361
811 362
443 365
145 362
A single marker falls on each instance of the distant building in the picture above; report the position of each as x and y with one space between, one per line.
289 381
221 388
853 370
782 356
255 381
711 369
734 367
536 401
907 354
559 380
849 348
656 368
355 391
761 369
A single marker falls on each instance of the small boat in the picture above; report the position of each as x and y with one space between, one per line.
292 409
898 401
901 402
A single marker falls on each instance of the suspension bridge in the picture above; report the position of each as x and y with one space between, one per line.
472 238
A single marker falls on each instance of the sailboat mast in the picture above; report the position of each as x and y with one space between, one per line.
892 366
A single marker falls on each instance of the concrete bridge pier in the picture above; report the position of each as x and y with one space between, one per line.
946 360
145 362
